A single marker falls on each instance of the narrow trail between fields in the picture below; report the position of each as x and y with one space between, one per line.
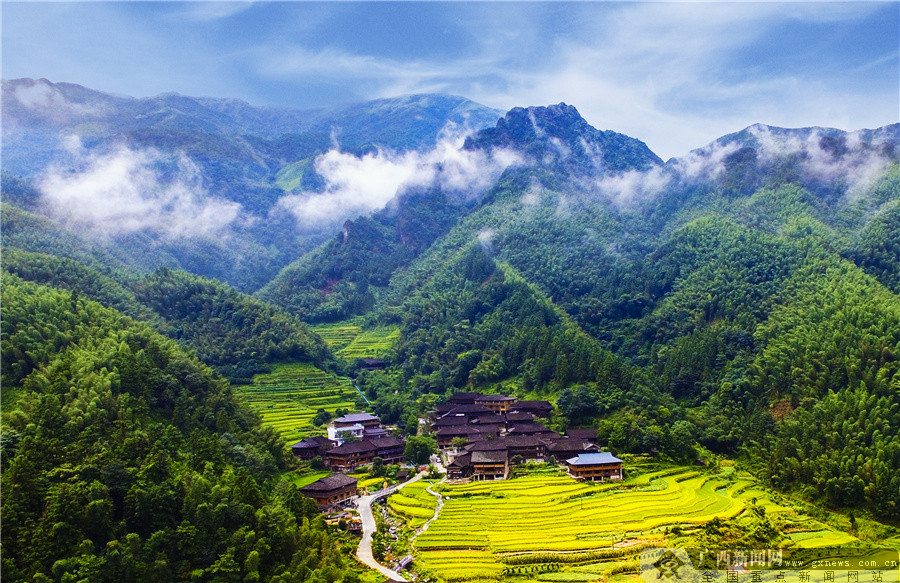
364 550
437 510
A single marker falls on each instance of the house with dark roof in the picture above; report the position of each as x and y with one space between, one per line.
541 409
364 419
462 398
595 466
589 434
490 465
471 412
531 429
569 447
514 417
311 447
389 449
460 467
331 491
349 456
496 403
448 420
469 432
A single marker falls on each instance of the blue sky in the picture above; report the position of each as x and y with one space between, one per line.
676 75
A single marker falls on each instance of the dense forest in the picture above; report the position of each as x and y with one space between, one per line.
741 301
128 460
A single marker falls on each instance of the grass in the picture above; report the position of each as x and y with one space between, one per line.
306 479
543 524
289 396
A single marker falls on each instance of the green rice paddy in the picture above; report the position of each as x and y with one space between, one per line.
413 503
349 340
289 396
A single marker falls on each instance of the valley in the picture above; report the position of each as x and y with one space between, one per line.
725 323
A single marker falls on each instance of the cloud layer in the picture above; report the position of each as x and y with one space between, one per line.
356 185
123 192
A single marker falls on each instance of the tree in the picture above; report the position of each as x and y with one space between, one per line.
419 449
317 463
377 467
459 442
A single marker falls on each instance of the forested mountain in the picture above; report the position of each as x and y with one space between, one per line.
740 300
127 460
195 183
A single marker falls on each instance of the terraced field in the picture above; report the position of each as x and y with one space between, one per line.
349 340
537 523
413 503
289 396
339 334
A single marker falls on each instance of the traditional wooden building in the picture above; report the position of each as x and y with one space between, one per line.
471 412
528 447
532 429
589 434
349 456
595 466
496 403
516 417
462 398
469 432
364 419
568 447
490 465
449 420
389 449
541 409
331 491
311 447
460 467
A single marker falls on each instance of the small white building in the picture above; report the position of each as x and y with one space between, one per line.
338 434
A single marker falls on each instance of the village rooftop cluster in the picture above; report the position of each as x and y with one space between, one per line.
480 437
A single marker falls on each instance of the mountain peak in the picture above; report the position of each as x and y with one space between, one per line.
557 135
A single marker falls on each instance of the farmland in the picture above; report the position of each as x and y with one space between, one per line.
554 528
413 503
350 341
289 396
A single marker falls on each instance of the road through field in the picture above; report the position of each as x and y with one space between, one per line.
364 550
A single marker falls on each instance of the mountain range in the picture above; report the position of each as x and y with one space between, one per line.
741 298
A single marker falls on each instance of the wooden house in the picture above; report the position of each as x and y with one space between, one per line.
496 403
490 465
311 447
460 467
389 449
517 417
331 491
349 456
568 447
542 409
595 466
364 419
462 398
585 434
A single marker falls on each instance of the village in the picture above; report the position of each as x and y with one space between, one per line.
478 436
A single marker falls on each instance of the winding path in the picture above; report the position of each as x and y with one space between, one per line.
364 550
437 510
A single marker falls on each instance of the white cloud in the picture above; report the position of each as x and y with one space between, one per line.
361 184
671 74
42 97
633 186
122 192
858 166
